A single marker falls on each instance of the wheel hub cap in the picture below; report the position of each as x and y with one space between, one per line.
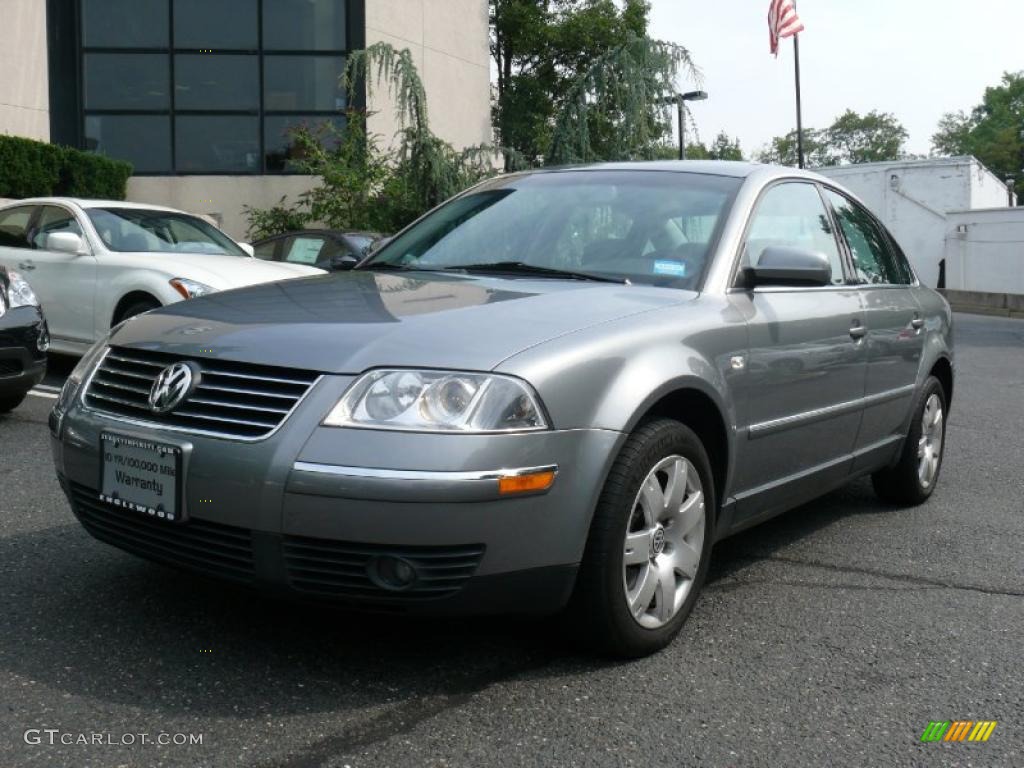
664 542
929 447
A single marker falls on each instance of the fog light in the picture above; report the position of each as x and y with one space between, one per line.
391 573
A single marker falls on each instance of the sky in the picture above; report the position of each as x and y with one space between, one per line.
917 59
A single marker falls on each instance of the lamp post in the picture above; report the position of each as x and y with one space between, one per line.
679 100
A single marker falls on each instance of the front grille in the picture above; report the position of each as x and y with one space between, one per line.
199 545
340 569
232 399
10 367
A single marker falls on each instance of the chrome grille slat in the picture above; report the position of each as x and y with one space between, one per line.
235 400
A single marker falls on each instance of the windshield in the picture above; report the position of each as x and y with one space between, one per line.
645 226
142 230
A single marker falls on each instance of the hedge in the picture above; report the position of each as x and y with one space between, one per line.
36 169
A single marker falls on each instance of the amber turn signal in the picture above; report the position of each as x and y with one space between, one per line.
529 483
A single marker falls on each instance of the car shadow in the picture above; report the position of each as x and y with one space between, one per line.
87 620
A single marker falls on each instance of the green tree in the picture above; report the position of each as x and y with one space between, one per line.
723 147
993 131
852 138
579 79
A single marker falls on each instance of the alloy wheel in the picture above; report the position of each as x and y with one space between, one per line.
929 447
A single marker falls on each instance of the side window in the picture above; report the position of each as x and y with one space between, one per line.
902 263
53 219
872 258
14 227
303 250
793 215
266 250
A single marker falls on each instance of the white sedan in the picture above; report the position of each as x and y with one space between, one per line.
93 263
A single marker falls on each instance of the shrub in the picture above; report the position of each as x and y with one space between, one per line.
28 168
37 169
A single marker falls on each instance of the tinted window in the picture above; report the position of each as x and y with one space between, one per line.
53 219
14 227
280 148
142 140
128 81
304 25
901 261
205 81
655 228
217 143
793 215
303 83
224 24
125 23
265 251
872 259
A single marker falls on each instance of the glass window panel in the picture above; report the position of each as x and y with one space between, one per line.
304 25
280 148
52 220
217 82
125 23
872 259
129 81
142 140
216 24
303 83
222 144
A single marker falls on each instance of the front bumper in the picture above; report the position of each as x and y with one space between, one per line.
299 512
22 362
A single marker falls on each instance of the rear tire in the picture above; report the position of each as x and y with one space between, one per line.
654 520
914 476
10 402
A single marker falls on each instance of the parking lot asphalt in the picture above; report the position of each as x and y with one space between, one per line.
829 636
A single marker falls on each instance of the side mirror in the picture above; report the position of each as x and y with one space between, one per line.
797 267
247 248
342 262
65 242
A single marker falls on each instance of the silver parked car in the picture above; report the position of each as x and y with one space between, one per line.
556 391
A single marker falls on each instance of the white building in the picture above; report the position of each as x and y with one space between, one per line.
198 94
913 198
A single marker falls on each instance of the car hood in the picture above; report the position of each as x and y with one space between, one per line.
349 322
223 272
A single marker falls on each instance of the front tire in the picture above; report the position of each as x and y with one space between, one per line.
10 402
649 545
137 308
914 476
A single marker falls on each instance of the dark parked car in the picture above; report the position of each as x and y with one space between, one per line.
328 249
24 340
558 390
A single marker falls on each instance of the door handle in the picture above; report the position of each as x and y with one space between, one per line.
28 266
857 331
917 323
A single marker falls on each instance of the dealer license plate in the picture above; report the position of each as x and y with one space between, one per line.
141 476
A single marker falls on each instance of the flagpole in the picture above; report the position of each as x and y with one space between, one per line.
799 111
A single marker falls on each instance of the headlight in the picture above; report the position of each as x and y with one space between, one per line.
191 289
19 293
438 401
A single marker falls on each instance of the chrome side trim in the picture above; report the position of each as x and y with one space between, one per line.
410 485
764 428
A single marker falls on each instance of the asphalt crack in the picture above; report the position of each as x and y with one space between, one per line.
919 581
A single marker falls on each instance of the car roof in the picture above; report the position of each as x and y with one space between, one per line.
732 168
84 203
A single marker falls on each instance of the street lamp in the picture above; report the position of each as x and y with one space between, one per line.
679 99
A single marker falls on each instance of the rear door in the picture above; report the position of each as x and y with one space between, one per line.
806 362
66 281
894 328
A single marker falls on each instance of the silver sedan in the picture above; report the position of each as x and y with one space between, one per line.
554 393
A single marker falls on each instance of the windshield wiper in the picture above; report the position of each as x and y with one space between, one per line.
522 268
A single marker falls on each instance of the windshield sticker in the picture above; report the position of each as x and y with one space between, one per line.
667 267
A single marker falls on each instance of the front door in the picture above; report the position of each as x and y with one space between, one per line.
805 365
64 282
894 323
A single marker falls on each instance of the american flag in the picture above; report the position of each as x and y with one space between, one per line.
782 22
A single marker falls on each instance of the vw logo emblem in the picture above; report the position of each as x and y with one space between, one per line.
172 386
658 542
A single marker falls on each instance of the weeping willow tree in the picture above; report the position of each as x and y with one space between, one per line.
616 109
